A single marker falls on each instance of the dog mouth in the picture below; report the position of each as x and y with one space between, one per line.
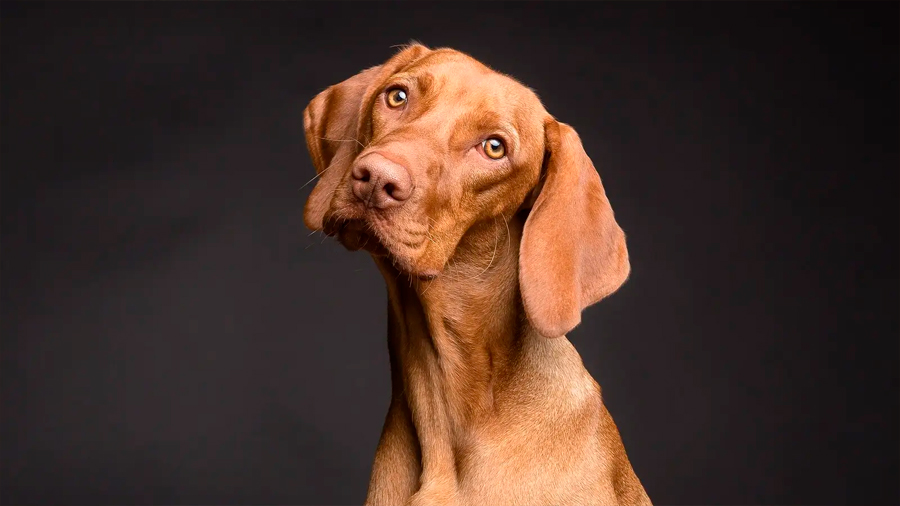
355 234
359 234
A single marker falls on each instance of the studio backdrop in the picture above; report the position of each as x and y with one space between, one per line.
173 334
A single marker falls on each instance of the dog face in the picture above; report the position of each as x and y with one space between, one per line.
445 143
416 153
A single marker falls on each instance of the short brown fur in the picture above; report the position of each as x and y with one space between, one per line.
488 264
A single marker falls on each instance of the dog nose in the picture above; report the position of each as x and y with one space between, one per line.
381 183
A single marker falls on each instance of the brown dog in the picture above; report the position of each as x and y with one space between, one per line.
493 232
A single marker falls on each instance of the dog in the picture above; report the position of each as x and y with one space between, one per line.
493 232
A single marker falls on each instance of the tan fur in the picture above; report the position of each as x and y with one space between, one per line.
488 264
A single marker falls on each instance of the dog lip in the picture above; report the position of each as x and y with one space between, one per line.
354 237
356 232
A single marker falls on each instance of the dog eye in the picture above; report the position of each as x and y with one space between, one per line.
396 97
493 148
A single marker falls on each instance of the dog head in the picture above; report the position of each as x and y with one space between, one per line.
414 153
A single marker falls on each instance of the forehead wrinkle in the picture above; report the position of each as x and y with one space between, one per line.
472 123
425 83
421 81
512 135
482 124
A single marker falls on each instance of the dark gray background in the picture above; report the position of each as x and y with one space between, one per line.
172 335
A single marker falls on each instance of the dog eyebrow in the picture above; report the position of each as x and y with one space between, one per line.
423 83
482 123
512 135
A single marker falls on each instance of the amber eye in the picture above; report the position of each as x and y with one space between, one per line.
494 148
396 97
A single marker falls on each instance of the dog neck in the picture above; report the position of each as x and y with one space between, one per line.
455 340
460 346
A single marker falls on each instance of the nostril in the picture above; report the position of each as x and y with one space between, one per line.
362 173
379 182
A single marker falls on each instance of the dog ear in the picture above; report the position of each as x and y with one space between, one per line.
332 121
572 252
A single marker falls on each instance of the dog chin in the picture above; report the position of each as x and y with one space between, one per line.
355 239
355 235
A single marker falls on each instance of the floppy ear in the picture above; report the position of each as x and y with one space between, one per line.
331 122
573 252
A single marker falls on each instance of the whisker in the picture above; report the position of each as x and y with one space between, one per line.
451 272
427 287
446 266
494 254
310 235
508 234
342 140
428 226
323 172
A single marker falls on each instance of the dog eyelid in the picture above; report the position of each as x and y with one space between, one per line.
503 146
396 96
